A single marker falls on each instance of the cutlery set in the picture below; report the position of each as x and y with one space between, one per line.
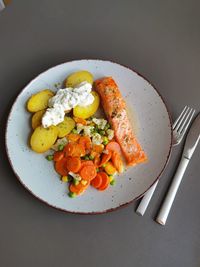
180 127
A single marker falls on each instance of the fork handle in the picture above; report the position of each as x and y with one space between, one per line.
166 206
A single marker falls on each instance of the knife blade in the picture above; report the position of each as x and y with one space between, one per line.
192 139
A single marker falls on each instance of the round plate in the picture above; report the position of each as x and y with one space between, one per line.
151 122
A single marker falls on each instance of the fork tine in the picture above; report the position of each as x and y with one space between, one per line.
179 117
182 119
184 127
181 126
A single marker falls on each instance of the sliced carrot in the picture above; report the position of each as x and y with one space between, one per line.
85 141
105 158
74 150
58 155
73 164
79 151
93 154
98 148
105 181
80 120
73 137
110 169
117 162
78 189
69 149
88 172
96 182
97 160
61 167
86 163
113 146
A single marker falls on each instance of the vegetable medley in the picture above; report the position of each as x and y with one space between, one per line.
82 147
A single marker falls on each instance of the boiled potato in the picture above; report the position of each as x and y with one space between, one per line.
78 77
87 111
37 118
43 138
65 127
39 100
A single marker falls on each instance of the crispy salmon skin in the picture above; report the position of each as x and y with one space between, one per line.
115 108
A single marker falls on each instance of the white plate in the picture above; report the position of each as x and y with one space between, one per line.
153 132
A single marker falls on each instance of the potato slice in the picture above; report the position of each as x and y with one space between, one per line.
43 138
37 119
39 100
65 127
87 111
78 77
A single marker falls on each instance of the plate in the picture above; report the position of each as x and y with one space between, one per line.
152 125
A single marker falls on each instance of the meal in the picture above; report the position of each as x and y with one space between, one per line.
86 149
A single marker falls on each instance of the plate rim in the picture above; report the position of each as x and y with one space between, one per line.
91 212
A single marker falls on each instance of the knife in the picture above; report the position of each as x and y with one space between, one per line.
191 142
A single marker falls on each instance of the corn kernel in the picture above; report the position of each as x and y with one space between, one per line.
84 182
64 179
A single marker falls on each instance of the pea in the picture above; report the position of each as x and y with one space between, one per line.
105 140
71 194
104 165
91 157
75 182
97 170
101 132
49 157
86 157
74 131
108 126
60 147
113 182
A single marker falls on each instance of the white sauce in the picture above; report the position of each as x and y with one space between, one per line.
65 100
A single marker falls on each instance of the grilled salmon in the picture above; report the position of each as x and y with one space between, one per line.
115 109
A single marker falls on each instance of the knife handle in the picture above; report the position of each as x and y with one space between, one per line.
166 206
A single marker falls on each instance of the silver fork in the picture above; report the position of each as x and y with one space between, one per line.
179 127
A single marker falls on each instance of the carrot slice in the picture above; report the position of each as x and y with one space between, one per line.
85 141
113 146
97 160
86 163
78 189
96 182
73 164
88 172
61 167
117 162
105 181
73 137
74 150
69 149
105 158
80 120
98 148
58 155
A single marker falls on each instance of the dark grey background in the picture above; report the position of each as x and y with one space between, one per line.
161 39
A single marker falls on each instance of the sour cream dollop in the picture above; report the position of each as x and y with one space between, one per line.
65 100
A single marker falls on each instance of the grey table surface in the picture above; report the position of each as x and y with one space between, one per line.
161 39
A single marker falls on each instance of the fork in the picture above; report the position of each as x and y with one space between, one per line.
179 128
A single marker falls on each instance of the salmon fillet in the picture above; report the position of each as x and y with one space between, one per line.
115 109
